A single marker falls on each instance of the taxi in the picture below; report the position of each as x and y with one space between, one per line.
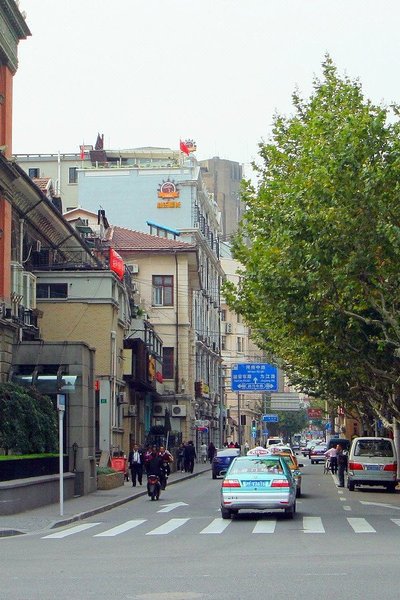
295 467
258 482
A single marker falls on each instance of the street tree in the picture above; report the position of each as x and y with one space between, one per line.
320 246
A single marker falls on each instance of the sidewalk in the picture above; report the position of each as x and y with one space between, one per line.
47 517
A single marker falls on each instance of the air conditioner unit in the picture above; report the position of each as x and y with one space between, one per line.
133 268
158 410
132 410
228 327
178 410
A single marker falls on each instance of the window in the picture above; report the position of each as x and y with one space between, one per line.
34 173
168 363
223 314
73 175
223 342
240 344
163 290
52 290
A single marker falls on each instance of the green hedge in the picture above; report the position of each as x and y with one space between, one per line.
28 421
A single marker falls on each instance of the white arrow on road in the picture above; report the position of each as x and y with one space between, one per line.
380 504
169 507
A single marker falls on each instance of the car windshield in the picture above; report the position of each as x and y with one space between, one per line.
258 465
373 448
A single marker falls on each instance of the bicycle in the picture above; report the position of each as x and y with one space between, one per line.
327 466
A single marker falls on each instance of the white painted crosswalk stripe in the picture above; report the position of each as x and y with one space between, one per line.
396 521
121 528
168 527
264 527
313 525
216 526
70 531
360 525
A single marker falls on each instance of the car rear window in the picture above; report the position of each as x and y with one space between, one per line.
259 465
372 448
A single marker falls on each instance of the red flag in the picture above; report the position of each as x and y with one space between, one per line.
116 263
183 147
82 149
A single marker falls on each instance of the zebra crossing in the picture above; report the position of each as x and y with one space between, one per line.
217 526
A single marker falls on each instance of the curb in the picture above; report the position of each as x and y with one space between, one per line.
95 511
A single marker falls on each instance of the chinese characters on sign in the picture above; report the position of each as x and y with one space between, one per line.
251 377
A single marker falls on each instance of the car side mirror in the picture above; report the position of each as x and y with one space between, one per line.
223 472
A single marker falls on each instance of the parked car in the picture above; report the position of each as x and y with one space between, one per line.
258 483
317 454
222 460
372 461
295 467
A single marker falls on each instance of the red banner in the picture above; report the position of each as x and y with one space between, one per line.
117 263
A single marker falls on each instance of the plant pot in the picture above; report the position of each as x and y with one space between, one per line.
109 481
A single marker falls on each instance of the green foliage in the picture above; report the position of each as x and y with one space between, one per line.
105 471
320 286
28 421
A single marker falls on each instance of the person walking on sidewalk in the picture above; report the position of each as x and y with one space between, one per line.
211 452
342 464
135 460
190 456
180 456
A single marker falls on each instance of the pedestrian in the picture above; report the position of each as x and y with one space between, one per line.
341 463
231 445
246 448
136 461
203 452
211 452
331 454
180 458
190 456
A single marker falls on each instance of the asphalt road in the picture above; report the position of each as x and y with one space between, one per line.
339 545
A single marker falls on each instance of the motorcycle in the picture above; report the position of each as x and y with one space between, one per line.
153 486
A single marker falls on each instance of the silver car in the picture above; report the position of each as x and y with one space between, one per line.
258 483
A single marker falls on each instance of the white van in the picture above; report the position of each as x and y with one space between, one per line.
372 461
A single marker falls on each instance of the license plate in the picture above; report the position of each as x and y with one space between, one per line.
256 483
373 467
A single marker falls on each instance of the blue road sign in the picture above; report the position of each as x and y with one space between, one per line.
254 434
265 432
270 418
254 377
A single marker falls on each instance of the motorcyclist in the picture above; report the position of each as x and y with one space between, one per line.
166 458
154 465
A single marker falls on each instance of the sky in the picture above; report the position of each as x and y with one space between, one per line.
152 72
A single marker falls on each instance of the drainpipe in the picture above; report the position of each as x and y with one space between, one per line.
176 326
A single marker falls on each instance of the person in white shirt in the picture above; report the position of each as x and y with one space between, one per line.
332 455
135 460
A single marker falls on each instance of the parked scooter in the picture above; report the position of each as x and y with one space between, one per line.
153 486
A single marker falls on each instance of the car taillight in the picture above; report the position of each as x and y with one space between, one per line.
280 483
355 466
231 483
391 467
